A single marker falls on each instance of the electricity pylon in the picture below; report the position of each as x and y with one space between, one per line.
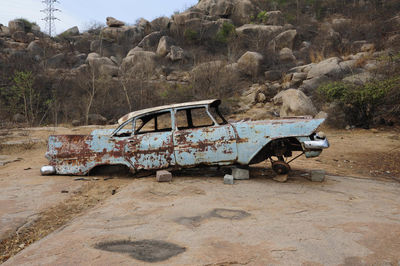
50 18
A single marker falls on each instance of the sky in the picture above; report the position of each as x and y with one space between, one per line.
83 13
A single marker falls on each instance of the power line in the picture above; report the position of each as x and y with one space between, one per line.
50 18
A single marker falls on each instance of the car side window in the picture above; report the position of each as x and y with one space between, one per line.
126 131
200 118
193 118
181 119
159 122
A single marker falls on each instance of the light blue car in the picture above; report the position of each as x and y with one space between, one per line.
185 135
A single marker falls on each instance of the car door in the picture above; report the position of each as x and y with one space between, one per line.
198 139
151 145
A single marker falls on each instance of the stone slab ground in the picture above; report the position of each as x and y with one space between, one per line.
200 221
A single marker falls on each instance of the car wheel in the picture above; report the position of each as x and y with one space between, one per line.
280 167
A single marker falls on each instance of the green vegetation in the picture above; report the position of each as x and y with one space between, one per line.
191 35
360 101
225 33
28 24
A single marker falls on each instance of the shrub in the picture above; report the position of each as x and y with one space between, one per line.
191 35
360 102
28 24
225 33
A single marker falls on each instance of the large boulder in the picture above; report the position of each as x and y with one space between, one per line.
102 66
239 11
160 24
294 103
35 48
16 25
57 61
139 61
115 23
253 31
108 48
126 35
164 45
71 32
250 63
329 67
284 39
4 31
150 41
184 17
286 56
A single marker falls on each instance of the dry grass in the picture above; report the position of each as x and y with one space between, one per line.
316 56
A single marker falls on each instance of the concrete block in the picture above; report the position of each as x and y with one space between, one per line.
317 175
163 176
281 178
240 174
228 179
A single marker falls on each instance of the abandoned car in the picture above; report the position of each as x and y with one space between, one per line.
185 135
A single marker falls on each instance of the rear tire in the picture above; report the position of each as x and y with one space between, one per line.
280 167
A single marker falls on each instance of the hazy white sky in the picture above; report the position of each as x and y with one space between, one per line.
83 12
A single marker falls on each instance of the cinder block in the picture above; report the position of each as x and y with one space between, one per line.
240 174
317 175
163 176
228 179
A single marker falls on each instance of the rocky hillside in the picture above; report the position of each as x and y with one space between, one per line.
263 58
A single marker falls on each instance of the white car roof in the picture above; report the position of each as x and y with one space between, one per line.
213 102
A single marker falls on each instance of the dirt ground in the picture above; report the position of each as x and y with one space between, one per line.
353 218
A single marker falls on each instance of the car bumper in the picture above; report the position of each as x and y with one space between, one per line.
318 144
48 170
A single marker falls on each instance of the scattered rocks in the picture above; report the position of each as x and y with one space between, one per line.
21 36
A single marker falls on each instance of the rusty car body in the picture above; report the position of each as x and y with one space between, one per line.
185 135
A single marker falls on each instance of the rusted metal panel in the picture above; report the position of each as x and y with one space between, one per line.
207 145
